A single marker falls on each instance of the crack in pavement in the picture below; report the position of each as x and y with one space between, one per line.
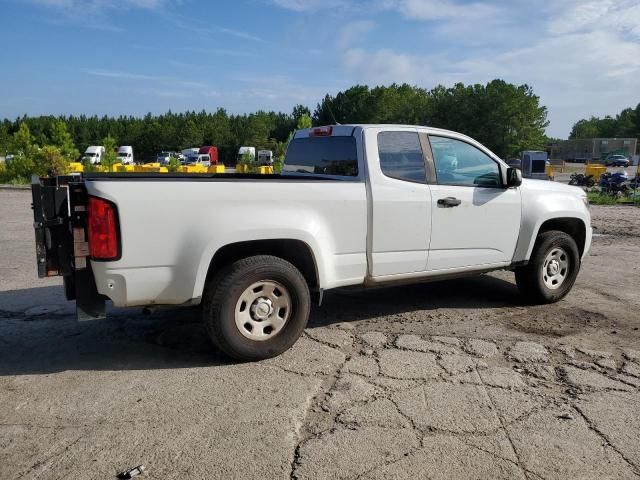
635 468
504 428
500 457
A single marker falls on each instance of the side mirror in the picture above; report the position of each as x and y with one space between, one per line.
514 177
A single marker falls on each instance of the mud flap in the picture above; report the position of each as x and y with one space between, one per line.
90 305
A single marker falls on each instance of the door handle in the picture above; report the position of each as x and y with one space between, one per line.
449 202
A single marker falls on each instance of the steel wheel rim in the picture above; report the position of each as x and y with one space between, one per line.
263 310
555 268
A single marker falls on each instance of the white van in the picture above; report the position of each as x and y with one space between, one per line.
94 154
125 154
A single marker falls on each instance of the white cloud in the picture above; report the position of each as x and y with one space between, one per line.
120 75
310 5
585 16
239 34
96 5
354 32
587 62
93 14
442 9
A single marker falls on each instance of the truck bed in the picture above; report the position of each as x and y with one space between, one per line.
172 225
211 177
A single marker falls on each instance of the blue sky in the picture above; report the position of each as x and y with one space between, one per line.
134 56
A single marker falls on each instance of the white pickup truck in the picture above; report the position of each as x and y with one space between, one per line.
365 205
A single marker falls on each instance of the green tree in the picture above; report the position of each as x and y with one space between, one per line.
190 135
22 166
60 137
624 124
5 139
50 161
304 121
22 141
110 156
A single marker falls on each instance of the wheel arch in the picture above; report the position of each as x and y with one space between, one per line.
296 252
572 226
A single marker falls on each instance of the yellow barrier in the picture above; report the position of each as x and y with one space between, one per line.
192 169
266 170
595 170
216 169
76 167
242 168
125 168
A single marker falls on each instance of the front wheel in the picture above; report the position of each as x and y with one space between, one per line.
552 268
256 308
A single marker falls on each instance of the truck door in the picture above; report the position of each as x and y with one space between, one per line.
400 201
475 219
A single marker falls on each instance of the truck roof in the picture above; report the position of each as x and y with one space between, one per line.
349 129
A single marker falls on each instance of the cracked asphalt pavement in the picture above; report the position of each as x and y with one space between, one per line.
445 380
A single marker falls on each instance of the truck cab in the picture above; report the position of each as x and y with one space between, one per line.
207 156
246 153
94 154
265 157
125 155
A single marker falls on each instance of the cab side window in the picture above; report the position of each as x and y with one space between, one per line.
459 163
401 156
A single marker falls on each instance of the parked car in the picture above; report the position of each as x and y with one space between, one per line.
125 155
617 161
94 154
355 205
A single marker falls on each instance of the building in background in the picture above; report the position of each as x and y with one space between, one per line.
592 149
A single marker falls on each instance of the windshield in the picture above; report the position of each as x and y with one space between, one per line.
90 154
322 155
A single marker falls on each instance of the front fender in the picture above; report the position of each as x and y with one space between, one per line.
542 206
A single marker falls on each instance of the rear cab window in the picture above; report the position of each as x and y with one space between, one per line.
322 155
401 156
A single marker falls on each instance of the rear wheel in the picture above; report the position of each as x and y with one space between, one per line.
256 308
552 268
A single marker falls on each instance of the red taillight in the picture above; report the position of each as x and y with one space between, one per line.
321 131
103 230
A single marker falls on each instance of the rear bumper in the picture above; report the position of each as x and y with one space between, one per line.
129 287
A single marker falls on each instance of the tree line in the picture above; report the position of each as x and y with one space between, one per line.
625 124
505 117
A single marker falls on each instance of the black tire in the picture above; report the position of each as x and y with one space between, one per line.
222 296
531 278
